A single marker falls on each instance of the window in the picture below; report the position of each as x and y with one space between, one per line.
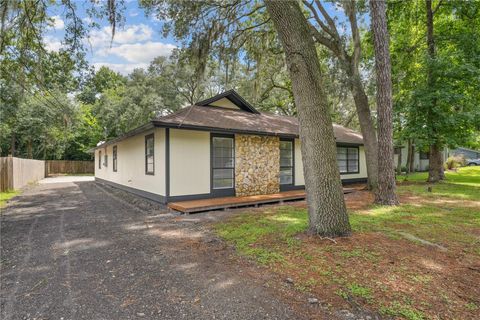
347 159
223 162
149 155
397 150
286 162
99 159
114 159
424 155
105 160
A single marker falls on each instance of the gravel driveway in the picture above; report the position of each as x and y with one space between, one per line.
73 250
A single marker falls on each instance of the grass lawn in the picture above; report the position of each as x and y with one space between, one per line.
419 260
7 195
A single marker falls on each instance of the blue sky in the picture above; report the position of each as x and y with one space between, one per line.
135 43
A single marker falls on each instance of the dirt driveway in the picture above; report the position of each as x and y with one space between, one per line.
76 251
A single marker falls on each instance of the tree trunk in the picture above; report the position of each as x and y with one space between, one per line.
435 164
410 157
326 205
385 193
367 128
399 162
435 167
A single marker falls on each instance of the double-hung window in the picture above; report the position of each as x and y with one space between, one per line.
286 162
99 159
223 162
149 155
114 159
347 159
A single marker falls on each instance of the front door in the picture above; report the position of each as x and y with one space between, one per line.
222 165
286 164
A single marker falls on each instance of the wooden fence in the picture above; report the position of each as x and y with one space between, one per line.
16 172
68 167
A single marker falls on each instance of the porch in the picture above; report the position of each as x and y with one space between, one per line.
244 201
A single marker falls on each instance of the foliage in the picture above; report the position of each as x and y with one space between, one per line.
456 68
455 162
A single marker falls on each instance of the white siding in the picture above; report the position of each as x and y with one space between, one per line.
225 103
299 178
131 163
189 162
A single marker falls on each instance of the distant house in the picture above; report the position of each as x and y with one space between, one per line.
421 159
218 147
467 153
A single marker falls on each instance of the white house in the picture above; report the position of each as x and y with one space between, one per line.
218 147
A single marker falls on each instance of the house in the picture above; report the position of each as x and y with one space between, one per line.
218 147
421 159
465 152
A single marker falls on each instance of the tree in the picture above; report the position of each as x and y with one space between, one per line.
326 206
436 95
385 194
325 32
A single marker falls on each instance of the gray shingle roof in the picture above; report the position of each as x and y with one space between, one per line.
218 118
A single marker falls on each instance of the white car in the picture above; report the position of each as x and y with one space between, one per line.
473 162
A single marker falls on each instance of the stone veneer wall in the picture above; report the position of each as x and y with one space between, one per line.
257 165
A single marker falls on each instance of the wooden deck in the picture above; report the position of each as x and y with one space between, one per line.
234 202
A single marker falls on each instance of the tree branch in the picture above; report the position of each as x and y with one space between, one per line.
352 17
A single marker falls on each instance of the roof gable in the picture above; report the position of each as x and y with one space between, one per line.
230 100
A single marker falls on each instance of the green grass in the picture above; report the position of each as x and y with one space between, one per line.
433 220
448 216
7 195
397 309
463 184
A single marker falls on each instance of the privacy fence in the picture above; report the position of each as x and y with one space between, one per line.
17 172
68 167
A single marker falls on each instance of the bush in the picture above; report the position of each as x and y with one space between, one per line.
455 162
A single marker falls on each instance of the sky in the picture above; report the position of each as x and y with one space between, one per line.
135 44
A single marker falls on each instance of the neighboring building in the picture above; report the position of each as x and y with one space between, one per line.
219 147
467 153
420 159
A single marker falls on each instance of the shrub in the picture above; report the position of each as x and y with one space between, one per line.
455 162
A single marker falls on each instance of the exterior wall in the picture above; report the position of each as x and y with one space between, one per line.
299 178
225 103
418 164
257 165
189 162
131 163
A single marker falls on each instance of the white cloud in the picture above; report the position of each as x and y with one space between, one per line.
123 68
87 20
131 34
57 23
139 52
52 43
133 13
